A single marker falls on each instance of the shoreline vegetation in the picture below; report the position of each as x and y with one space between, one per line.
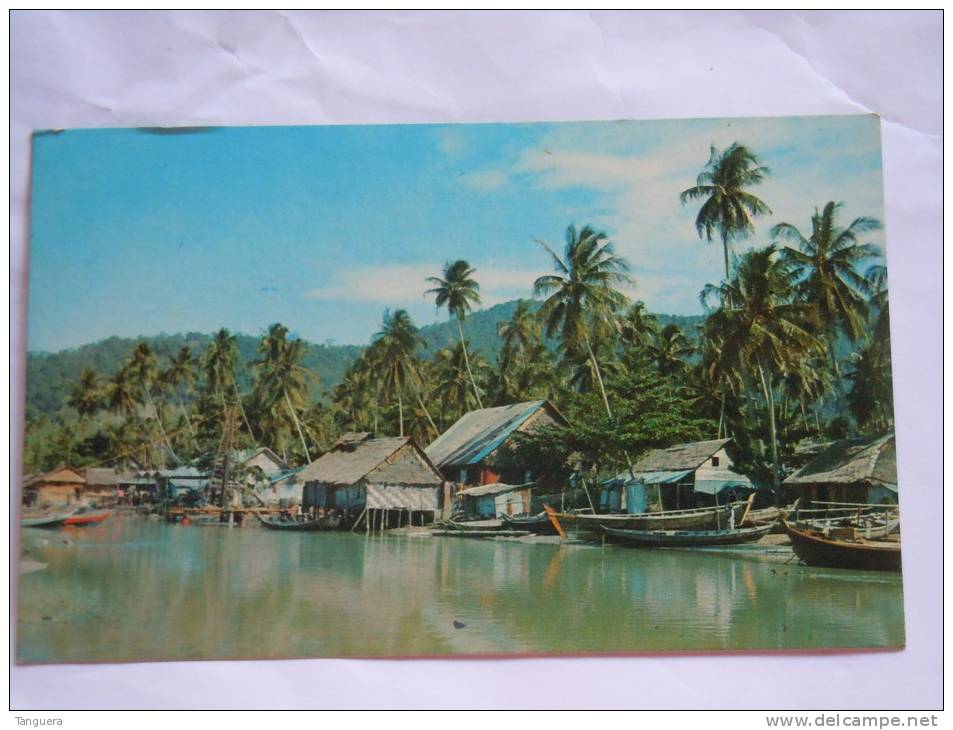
794 345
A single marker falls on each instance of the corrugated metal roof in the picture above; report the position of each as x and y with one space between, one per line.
478 433
486 489
658 477
679 457
850 461
724 481
346 466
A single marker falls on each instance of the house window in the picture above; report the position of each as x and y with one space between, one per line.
527 476
714 461
463 476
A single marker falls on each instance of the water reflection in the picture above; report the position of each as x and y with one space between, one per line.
139 589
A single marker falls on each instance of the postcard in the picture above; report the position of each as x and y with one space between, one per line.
459 389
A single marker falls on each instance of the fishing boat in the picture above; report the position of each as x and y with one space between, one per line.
686 538
45 520
86 516
473 525
481 533
840 550
698 519
288 522
537 524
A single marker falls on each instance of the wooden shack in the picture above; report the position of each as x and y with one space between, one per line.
490 501
384 482
468 451
109 486
859 470
682 476
57 487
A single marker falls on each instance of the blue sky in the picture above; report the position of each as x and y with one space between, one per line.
322 228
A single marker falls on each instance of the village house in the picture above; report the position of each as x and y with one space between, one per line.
107 485
468 452
683 476
388 481
262 461
183 481
489 501
859 470
62 485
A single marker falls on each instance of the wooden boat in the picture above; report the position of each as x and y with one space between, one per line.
284 522
45 520
473 525
833 551
686 538
537 524
481 533
700 518
84 516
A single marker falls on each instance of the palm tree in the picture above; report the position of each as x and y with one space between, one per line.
181 372
637 326
765 329
669 349
826 262
459 293
582 299
728 208
87 395
452 385
121 392
396 347
220 362
145 371
281 375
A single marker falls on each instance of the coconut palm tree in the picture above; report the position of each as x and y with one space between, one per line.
728 208
220 361
582 298
637 327
764 328
145 370
452 386
121 392
181 373
396 348
458 292
281 377
827 262
669 349
87 395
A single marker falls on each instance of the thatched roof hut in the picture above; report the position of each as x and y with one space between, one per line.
850 470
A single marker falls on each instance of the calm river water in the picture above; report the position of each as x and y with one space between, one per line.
138 589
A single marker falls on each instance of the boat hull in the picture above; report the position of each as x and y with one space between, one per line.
686 538
711 518
818 551
45 521
322 523
536 524
86 519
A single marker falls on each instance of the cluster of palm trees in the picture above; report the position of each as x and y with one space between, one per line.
794 339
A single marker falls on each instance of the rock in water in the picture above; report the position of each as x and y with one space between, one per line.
459 625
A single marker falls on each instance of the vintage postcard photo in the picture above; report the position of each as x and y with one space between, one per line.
477 389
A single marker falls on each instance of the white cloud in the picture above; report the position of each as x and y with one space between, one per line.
486 180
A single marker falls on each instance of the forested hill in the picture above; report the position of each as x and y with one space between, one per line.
51 376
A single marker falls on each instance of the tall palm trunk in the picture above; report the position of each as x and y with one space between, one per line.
400 402
466 360
238 397
595 366
188 422
294 416
158 417
769 399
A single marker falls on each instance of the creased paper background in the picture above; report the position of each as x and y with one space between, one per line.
97 69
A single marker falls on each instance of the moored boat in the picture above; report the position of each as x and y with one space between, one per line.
473 525
700 518
325 522
686 538
45 520
85 516
837 551
539 524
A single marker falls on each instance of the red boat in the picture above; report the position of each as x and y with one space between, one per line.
86 517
